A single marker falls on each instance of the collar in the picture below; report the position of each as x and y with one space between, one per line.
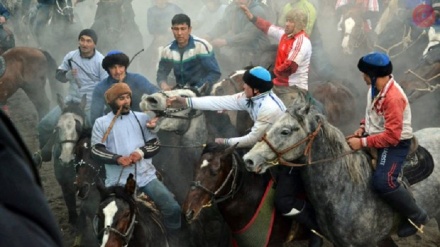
190 44
294 36
387 87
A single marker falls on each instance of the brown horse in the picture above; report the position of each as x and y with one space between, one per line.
28 68
220 178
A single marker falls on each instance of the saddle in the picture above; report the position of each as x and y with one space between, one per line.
418 165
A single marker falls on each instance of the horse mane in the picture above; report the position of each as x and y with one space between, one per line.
213 147
332 140
119 191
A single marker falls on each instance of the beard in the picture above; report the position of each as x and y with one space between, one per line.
125 108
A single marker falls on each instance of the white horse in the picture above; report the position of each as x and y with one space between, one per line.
337 181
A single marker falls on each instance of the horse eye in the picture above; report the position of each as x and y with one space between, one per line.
285 131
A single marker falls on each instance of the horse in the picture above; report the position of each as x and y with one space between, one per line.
61 146
220 179
59 31
337 180
402 41
337 100
116 28
183 133
123 219
28 68
89 173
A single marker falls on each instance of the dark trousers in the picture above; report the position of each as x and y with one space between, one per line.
289 186
389 165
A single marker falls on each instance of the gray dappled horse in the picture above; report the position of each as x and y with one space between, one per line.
183 133
338 182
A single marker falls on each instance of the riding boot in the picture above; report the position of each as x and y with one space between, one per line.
402 201
307 217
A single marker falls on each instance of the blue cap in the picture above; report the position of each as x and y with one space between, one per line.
261 73
113 52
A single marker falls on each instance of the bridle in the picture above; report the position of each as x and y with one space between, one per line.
233 174
87 184
279 154
170 113
429 87
126 237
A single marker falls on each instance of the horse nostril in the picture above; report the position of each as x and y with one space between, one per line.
249 162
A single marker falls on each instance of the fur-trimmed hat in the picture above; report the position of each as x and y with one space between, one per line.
258 78
116 90
115 57
375 64
91 33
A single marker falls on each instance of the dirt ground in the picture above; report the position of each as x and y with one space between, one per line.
24 116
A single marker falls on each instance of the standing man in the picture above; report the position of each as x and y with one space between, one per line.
122 142
82 69
192 59
294 48
238 41
116 64
387 127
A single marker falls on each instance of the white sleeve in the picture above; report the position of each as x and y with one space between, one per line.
235 102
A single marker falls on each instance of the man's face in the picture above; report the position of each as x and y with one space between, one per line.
124 100
86 45
117 72
248 91
290 26
181 33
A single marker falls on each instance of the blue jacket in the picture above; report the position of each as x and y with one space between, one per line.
138 84
4 11
195 67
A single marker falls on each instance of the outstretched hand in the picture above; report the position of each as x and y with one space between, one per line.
246 11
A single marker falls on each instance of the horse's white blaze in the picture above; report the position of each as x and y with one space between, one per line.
434 39
292 212
205 163
349 25
109 213
67 126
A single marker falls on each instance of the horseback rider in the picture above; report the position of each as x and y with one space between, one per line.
7 40
264 107
122 142
387 127
82 69
116 64
191 58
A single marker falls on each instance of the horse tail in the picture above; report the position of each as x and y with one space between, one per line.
55 87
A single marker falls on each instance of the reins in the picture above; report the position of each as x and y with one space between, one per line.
406 43
428 88
307 151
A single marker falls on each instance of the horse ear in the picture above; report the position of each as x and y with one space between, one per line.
229 150
83 101
60 101
205 89
130 185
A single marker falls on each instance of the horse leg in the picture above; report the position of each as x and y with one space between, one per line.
65 177
36 92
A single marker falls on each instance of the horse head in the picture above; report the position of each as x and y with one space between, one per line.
65 9
215 179
354 30
69 127
425 77
293 127
173 119
230 85
117 214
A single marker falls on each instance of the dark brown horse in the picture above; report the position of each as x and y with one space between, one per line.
125 220
28 68
220 178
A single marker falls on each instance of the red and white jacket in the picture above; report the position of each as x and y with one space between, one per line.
293 55
387 117
369 5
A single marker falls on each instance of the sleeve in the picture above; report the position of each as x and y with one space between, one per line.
97 105
145 86
234 102
165 67
269 29
151 148
393 116
63 68
210 65
99 151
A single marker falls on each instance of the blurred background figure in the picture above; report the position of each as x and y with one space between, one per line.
158 24
211 12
